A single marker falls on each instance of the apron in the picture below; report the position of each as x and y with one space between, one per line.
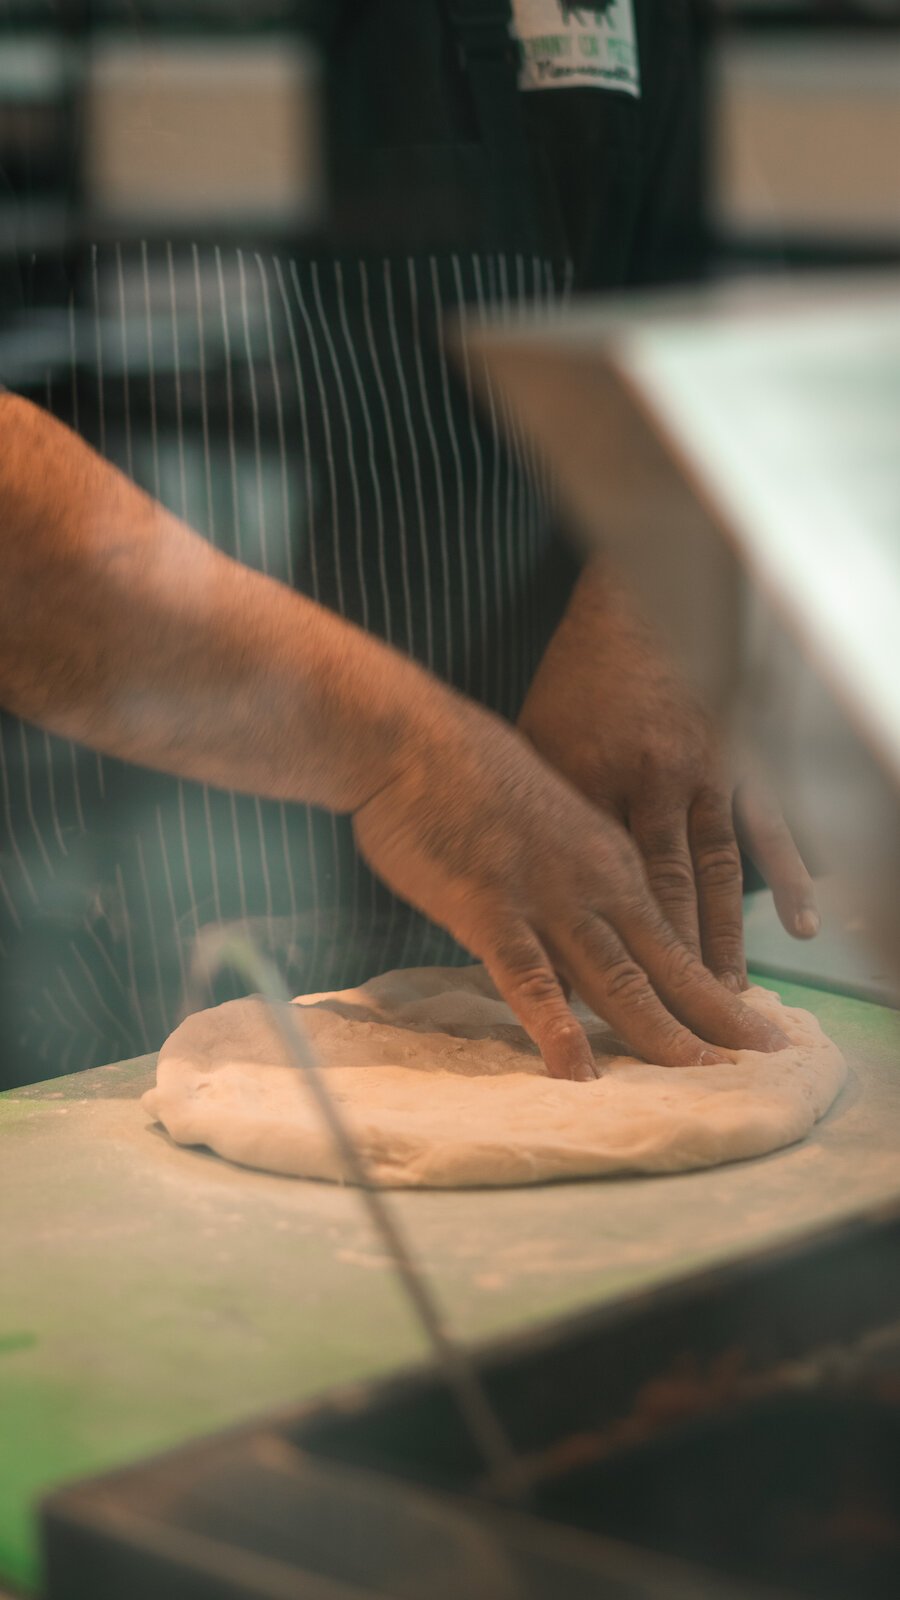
300 410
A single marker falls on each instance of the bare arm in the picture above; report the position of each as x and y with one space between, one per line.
122 628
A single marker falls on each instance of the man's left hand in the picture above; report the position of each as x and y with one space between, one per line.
611 714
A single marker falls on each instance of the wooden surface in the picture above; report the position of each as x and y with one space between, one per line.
151 1293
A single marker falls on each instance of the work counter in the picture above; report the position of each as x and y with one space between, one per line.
153 1293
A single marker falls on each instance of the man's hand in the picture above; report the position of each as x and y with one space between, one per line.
538 884
122 628
610 714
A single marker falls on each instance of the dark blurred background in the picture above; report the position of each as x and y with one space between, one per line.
802 120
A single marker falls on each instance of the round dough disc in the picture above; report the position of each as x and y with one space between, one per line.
442 1088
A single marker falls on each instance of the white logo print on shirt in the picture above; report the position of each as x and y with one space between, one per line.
566 45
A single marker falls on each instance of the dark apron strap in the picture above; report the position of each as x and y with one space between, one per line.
490 56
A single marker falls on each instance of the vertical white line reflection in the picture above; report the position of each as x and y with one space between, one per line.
286 532
513 530
387 278
10 830
126 384
442 530
93 1036
229 407
479 528
76 786
182 469
134 992
479 485
279 422
170 891
92 982
378 503
151 928
98 349
210 531
392 451
350 951
107 962
335 535
51 1001
262 534
11 904
73 357
204 403
307 461
151 369
374 476
187 863
327 434
101 414
403 959
263 541
176 359
50 751
29 803
497 459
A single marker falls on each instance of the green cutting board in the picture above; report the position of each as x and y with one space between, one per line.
151 1293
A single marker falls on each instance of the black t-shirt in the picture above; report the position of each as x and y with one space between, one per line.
619 175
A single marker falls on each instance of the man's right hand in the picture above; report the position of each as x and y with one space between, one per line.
485 839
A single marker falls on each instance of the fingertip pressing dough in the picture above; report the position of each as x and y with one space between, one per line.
443 1089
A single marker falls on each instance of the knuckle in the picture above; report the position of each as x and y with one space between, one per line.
727 952
629 885
683 971
512 950
536 986
585 931
719 864
664 766
671 876
626 982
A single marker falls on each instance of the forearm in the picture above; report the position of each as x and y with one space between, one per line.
600 624
601 607
122 628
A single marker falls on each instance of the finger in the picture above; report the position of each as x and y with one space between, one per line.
614 986
720 888
662 839
524 976
768 842
682 982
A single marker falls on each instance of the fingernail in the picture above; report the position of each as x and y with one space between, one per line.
807 923
731 981
582 1073
712 1058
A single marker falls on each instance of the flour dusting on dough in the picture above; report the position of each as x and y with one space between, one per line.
443 1088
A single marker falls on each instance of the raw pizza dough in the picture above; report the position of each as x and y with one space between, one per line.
443 1088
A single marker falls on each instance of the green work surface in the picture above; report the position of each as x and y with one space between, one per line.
152 1293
